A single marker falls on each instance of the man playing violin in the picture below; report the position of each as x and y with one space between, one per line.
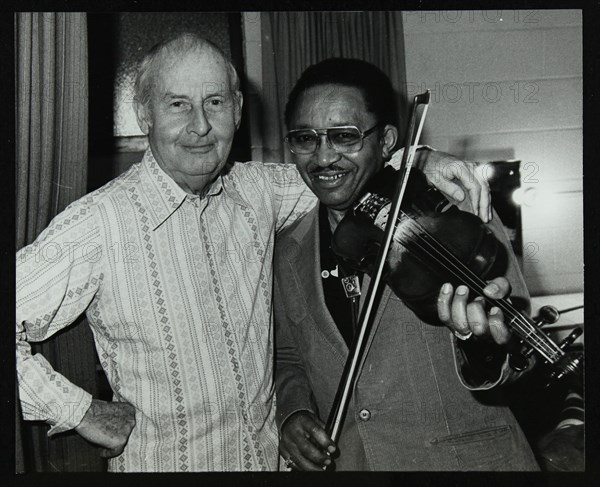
426 395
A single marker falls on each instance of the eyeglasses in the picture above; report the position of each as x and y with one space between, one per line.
345 139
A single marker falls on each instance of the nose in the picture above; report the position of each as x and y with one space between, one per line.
199 123
326 155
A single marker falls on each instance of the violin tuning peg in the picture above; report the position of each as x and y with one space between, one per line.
547 315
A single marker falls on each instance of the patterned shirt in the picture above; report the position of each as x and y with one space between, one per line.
179 302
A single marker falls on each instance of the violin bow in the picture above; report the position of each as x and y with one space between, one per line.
350 374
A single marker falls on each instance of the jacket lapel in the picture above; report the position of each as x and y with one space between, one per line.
308 273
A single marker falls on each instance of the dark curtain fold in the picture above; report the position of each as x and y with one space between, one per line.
51 117
51 172
292 41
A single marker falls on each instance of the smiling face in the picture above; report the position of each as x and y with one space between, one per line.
191 117
338 179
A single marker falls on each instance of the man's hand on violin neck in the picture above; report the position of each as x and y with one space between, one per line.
464 318
108 425
304 444
450 175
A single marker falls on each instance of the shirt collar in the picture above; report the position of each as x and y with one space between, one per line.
165 196
230 185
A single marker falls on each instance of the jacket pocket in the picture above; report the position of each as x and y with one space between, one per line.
484 434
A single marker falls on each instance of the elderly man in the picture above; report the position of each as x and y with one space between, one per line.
172 264
409 410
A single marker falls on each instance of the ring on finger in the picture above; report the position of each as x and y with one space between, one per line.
462 336
289 463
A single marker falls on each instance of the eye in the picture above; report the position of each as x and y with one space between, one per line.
215 103
344 137
304 137
178 105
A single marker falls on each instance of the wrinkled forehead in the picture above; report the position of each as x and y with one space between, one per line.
199 72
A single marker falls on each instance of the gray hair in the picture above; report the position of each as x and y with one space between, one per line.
179 44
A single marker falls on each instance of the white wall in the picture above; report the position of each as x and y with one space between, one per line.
508 84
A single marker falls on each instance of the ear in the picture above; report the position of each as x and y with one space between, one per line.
143 116
388 140
237 109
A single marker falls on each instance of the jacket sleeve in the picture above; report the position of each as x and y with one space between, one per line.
56 279
293 390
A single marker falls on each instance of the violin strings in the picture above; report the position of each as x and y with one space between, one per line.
528 335
478 285
446 259
527 332
519 322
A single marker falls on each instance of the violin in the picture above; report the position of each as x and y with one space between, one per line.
435 242
406 234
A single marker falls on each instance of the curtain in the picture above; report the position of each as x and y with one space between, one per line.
51 172
292 41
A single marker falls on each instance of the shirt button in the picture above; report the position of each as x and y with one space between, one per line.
364 414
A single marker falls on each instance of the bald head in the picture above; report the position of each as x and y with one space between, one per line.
165 53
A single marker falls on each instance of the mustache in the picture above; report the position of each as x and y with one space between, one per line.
333 167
